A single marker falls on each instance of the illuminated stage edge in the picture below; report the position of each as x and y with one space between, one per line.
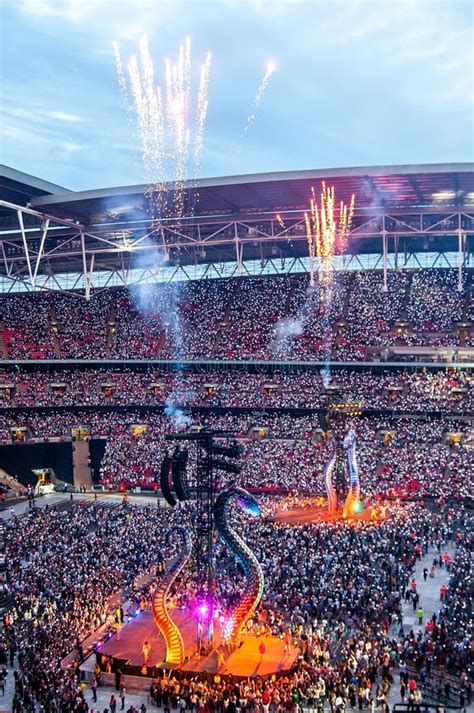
124 651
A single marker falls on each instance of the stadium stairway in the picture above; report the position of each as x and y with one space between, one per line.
81 464
440 688
466 306
403 317
57 347
53 320
220 331
425 707
161 344
8 480
110 326
287 310
342 318
3 346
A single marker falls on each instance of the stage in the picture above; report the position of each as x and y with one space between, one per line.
125 650
314 510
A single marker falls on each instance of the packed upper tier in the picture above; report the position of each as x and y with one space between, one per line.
265 318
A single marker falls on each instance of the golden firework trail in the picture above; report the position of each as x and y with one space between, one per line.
280 221
326 231
311 244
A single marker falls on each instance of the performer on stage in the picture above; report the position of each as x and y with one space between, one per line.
146 648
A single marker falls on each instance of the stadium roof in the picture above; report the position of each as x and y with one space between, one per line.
19 187
222 216
380 186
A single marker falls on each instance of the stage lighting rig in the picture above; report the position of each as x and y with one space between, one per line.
214 450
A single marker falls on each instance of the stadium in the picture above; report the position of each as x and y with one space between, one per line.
116 334
236 393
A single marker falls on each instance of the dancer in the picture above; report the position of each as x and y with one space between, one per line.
146 648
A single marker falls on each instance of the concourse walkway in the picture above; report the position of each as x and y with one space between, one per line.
428 591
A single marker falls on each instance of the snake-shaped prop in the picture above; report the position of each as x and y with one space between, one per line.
250 599
352 499
168 628
328 471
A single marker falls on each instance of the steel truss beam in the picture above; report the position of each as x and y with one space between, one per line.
88 248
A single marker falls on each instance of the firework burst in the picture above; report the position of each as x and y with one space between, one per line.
170 121
269 70
327 228
280 221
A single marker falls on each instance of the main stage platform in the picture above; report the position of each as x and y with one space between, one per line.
125 650
314 511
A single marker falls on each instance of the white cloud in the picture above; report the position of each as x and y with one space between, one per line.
64 116
73 10
18 113
121 19
71 147
37 116
460 92
13 132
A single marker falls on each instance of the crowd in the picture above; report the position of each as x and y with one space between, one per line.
447 390
26 327
63 567
273 317
434 304
82 327
334 590
396 456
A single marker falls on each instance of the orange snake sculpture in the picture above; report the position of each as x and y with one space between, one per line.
174 641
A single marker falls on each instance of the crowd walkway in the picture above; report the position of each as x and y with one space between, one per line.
428 590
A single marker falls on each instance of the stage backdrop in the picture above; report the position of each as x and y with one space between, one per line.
19 460
97 449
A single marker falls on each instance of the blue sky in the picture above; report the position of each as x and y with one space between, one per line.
358 83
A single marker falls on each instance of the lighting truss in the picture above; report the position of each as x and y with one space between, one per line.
35 244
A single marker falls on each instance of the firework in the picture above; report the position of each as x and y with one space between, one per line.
327 230
269 70
345 223
122 82
280 221
170 122
327 227
311 246
202 105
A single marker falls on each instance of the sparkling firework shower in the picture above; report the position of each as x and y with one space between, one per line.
270 68
170 121
327 228
280 221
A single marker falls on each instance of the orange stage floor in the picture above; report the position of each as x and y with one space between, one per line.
309 513
245 661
